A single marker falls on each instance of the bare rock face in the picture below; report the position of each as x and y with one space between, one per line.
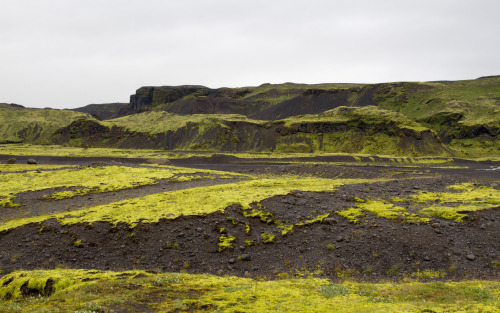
11 161
31 161
147 97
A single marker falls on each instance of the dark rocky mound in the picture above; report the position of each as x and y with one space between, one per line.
11 106
103 111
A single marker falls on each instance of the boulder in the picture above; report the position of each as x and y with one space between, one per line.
31 161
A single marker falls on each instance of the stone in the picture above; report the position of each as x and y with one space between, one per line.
246 257
329 220
470 257
289 201
231 261
31 161
11 161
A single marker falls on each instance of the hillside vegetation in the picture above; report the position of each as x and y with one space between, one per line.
459 118
18 125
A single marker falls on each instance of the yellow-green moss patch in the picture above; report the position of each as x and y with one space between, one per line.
74 290
8 168
456 213
351 214
87 180
465 194
194 201
225 242
389 211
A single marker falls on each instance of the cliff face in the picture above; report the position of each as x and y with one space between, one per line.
266 102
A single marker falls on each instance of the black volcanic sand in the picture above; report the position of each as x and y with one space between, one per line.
373 249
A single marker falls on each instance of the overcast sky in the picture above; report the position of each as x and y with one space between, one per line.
70 53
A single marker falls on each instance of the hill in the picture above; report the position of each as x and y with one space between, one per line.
103 111
404 118
26 125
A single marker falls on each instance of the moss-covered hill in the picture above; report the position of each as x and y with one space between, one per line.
434 118
19 124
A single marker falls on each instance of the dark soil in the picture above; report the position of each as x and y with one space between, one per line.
373 249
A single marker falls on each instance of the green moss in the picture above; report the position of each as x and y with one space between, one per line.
225 242
172 245
456 213
74 290
317 219
34 125
194 201
267 237
351 214
12 168
469 195
466 197
155 122
428 274
382 209
82 181
285 229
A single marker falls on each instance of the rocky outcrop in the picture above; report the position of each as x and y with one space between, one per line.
270 104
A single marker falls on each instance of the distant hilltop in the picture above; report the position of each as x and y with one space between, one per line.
452 118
